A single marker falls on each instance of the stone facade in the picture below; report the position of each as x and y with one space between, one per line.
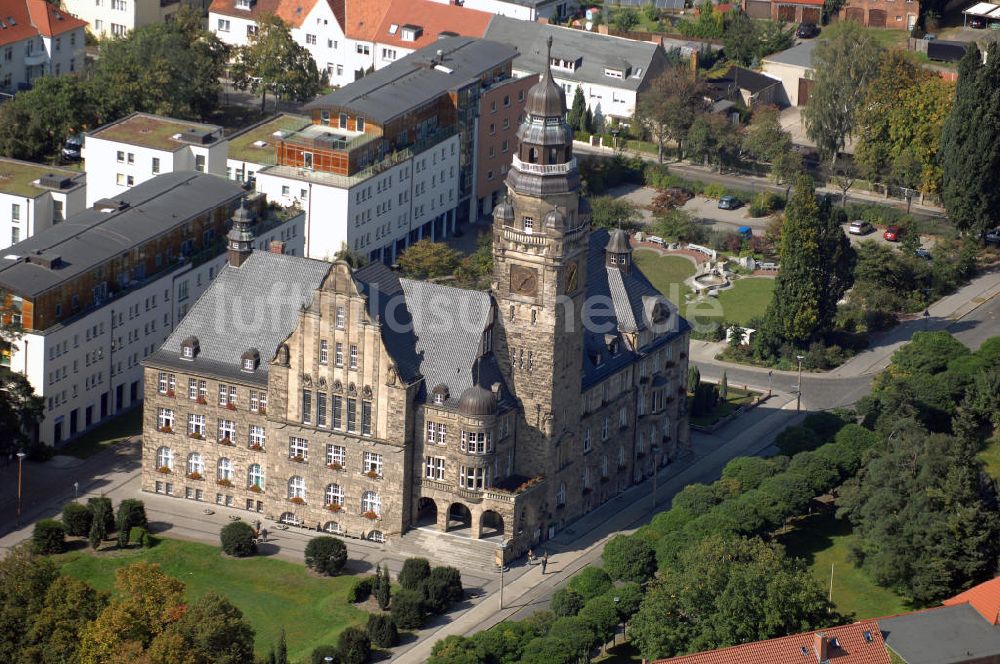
394 403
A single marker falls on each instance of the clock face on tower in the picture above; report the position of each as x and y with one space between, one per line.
523 280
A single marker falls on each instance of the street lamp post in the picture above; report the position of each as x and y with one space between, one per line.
769 374
20 460
798 389
503 563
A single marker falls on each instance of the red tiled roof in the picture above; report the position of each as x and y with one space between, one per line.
292 12
32 18
362 18
852 648
984 598
434 18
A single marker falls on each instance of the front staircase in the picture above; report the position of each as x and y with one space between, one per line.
447 549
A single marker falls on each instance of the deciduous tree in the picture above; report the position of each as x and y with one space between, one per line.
273 62
429 260
668 109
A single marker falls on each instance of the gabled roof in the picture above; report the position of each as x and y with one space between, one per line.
292 12
984 598
32 18
362 18
254 306
858 643
596 51
745 79
433 18
942 635
799 56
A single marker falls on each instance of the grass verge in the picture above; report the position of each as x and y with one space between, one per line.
666 273
823 540
736 398
271 593
748 298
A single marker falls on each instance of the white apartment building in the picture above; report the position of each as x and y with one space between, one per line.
524 10
612 71
377 213
116 18
37 39
137 148
34 197
99 294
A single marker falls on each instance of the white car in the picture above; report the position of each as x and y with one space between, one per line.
860 227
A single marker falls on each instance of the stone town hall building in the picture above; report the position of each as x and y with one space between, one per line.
362 403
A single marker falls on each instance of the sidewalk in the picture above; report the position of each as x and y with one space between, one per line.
582 543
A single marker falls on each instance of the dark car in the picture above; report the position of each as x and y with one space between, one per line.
993 236
807 31
977 22
73 148
893 233
729 202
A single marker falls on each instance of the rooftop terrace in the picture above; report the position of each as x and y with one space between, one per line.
242 143
17 177
156 132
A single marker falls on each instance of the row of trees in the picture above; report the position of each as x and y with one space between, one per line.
172 69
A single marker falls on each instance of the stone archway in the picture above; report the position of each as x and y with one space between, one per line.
459 518
427 512
491 524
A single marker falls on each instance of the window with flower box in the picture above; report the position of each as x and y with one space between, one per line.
165 419
256 436
372 463
298 448
371 503
296 488
434 468
255 476
226 470
192 389
472 477
195 465
167 383
227 430
165 458
477 442
258 401
334 495
196 426
336 455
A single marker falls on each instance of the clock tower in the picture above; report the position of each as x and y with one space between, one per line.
540 241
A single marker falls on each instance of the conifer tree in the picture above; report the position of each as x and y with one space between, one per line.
578 109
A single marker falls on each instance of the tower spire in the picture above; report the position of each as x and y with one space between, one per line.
241 236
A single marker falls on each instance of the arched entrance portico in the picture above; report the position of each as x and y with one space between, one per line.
427 512
459 518
491 524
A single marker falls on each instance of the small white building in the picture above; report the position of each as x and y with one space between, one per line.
116 18
37 39
612 71
102 291
137 148
34 197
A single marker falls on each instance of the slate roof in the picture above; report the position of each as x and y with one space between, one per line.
618 300
596 51
92 237
799 56
854 648
253 306
944 635
984 598
412 82
432 331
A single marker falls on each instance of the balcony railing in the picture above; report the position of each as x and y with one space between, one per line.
544 169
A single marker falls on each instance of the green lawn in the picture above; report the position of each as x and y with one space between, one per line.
271 593
736 398
991 457
823 540
111 432
666 273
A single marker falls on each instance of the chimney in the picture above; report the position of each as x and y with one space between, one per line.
820 645
277 247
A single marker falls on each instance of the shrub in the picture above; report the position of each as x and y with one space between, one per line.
326 555
629 559
796 439
354 645
40 451
749 471
600 616
238 539
590 582
408 609
714 191
131 513
382 630
414 571
382 587
320 653
77 519
566 602
361 589
137 534
434 590
824 425
102 505
49 537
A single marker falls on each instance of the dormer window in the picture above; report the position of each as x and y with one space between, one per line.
567 65
614 73
411 33
243 4
439 399
189 348
250 360
440 394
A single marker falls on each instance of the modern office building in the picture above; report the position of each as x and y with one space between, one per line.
34 197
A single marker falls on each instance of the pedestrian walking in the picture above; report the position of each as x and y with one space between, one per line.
263 535
531 557
545 561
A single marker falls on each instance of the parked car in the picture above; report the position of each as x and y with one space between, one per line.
73 148
993 236
893 233
860 227
923 253
977 22
807 31
729 202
